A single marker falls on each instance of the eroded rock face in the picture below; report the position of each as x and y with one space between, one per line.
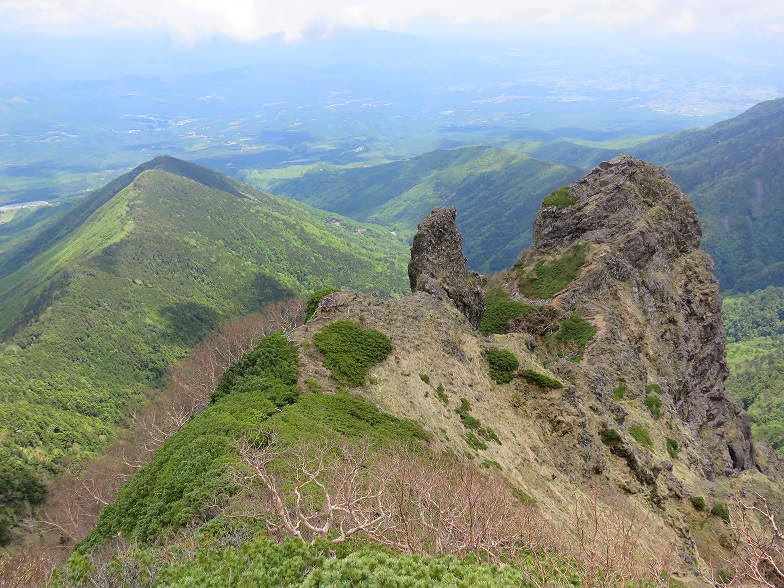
438 266
652 292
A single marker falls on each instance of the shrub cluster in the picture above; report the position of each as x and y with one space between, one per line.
560 198
499 310
502 365
653 404
610 436
471 422
350 351
720 510
540 379
270 368
672 447
698 502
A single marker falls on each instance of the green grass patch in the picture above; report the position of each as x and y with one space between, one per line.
500 310
672 447
560 198
653 404
654 389
720 510
441 394
502 364
698 502
641 435
540 379
463 411
350 351
548 278
610 436
425 378
619 392
474 442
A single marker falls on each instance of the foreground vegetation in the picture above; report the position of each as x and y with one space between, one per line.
273 486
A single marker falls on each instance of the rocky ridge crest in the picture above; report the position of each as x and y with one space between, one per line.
652 293
438 266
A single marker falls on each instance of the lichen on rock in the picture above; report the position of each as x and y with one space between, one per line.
438 265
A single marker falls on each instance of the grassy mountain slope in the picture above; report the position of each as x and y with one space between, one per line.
734 173
277 423
497 194
108 306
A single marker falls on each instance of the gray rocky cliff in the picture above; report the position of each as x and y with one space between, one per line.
653 296
438 265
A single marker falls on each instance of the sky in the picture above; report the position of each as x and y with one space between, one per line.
190 21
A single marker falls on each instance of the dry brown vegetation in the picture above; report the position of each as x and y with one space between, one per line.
403 498
76 498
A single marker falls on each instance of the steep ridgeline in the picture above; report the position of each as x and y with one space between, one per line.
594 388
649 290
93 313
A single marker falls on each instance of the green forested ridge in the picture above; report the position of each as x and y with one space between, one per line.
755 353
734 174
497 194
95 318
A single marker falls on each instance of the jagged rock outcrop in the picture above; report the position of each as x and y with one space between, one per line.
438 266
653 296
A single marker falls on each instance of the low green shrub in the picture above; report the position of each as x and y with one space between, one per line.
641 435
650 388
540 379
610 436
350 351
314 299
425 378
269 365
720 510
502 364
523 497
653 404
474 442
577 329
499 310
488 434
698 502
560 198
441 394
463 411
672 447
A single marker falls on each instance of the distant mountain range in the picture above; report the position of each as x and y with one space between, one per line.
497 194
98 303
733 171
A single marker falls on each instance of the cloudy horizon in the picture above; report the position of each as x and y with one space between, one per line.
190 21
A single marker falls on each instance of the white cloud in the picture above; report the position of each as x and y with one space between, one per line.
246 20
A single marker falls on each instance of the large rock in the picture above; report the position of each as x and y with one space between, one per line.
652 293
438 266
